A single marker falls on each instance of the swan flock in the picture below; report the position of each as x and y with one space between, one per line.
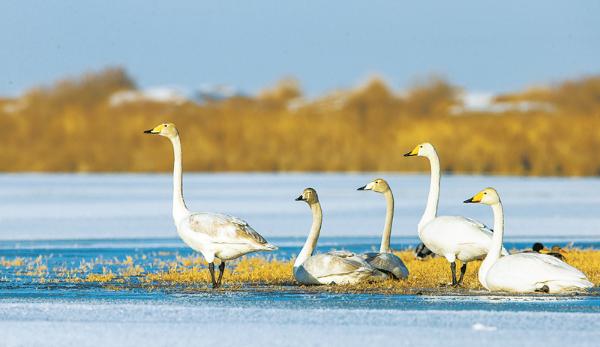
221 238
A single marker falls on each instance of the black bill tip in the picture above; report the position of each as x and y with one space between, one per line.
148 131
469 201
409 154
299 198
361 188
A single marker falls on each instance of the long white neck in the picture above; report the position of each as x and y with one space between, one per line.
179 208
434 191
495 249
389 218
313 236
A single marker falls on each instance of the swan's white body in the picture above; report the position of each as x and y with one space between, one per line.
331 268
220 236
385 260
524 272
214 235
338 267
452 237
456 237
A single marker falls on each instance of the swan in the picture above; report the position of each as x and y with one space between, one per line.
214 235
453 237
384 260
338 267
522 272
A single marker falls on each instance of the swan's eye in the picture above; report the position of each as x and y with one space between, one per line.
420 146
485 193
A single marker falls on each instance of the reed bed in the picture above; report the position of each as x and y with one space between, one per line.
190 273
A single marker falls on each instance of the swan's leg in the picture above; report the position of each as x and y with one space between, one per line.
463 269
221 270
211 268
453 269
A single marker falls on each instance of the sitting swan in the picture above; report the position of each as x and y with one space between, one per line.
453 237
328 268
212 234
384 260
522 272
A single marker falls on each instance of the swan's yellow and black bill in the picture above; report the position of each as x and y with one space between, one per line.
155 130
475 199
299 198
412 153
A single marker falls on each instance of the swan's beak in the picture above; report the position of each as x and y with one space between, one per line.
156 130
299 198
369 186
477 198
412 153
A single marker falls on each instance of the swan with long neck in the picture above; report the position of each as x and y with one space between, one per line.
522 272
384 260
337 267
453 237
216 236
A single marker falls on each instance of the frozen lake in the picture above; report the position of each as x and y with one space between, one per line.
67 219
50 206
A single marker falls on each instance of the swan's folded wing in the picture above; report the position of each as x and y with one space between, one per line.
328 264
543 268
388 263
479 225
222 228
342 253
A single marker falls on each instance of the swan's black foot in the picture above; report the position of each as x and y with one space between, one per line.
544 289
221 270
211 269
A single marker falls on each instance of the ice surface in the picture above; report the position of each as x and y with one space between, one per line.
135 209
55 206
184 322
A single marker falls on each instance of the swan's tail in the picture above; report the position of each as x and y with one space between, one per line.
269 247
569 286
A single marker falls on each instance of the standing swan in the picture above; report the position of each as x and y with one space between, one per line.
522 272
453 237
328 268
212 234
384 260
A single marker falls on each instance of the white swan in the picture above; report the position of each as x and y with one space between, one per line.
453 237
522 272
384 260
212 234
338 267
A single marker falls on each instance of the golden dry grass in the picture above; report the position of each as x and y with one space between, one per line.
263 274
72 127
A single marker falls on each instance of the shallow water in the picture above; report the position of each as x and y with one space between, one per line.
81 314
63 220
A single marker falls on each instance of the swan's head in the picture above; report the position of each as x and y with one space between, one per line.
164 129
488 196
309 195
424 149
378 185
